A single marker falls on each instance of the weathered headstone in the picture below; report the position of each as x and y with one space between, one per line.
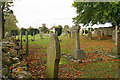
82 32
21 39
56 33
69 34
99 36
27 49
113 36
33 35
7 34
41 36
117 44
53 57
18 37
73 34
78 53
66 33
89 35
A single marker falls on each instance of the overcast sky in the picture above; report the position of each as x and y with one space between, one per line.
50 12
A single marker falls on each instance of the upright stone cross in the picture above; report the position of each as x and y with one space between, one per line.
27 49
78 53
53 57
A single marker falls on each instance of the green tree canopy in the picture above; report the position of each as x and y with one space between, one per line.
10 23
29 28
97 12
8 18
66 26
44 29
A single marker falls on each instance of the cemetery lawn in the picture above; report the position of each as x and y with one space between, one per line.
67 68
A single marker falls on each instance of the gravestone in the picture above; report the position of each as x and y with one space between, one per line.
117 41
21 39
73 34
53 57
7 34
66 33
78 53
117 44
56 33
33 35
99 36
18 36
82 32
27 51
113 36
63 33
41 36
89 35
69 34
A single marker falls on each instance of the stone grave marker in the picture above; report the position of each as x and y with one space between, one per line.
117 44
53 57
73 34
18 36
69 34
33 35
99 36
78 53
7 34
41 36
82 32
56 33
27 49
89 35
113 36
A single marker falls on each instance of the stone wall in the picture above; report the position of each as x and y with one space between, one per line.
105 30
13 65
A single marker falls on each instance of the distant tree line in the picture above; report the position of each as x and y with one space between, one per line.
30 30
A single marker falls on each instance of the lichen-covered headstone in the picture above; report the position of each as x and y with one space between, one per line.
53 57
89 35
